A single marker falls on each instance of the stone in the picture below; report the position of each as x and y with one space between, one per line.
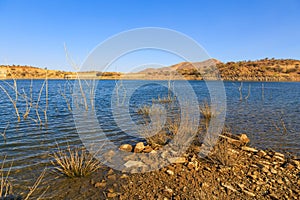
229 187
191 165
296 163
249 193
168 190
170 172
253 176
261 153
268 157
273 196
244 138
249 149
139 147
273 171
126 147
100 185
110 171
132 163
112 177
111 195
153 152
177 160
265 169
111 190
147 149
124 176
279 158
279 154
279 180
289 166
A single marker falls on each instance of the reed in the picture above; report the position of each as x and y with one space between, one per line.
13 100
5 184
6 187
4 132
64 94
240 90
249 90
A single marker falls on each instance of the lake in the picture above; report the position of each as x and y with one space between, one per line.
270 116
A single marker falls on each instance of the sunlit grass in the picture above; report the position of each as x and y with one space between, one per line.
75 162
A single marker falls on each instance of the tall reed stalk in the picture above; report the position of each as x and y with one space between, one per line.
15 100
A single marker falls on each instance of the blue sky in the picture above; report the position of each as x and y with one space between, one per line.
33 32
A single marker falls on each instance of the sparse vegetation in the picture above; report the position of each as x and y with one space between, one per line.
75 162
206 112
144 110
6 186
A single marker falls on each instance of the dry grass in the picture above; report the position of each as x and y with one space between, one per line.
168 99
144 110
221 154
75 162
173 125
224 152
205 110
6 187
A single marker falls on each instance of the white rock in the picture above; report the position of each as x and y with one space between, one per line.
177 160
132 163
170 172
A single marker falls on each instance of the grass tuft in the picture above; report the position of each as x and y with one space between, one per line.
206 111
75 162
144 110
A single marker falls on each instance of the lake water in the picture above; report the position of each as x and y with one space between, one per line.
270 117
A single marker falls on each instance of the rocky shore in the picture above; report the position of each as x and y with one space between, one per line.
233 170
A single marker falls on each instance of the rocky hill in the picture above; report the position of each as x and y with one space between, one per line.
259 70
29 72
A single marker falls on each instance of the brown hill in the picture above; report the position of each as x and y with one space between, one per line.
29 72
259 70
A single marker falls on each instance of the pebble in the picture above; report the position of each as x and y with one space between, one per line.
126 147
177 160
111 195
250 149
139 147
279 158
170 172
273 171
100 185
249 193
261 153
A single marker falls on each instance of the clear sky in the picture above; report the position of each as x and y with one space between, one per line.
33 32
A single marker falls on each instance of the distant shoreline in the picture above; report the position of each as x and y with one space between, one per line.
130 79
264 70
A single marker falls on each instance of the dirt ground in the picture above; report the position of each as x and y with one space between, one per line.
232 171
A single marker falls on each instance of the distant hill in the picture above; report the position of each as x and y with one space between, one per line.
29 72
258 70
